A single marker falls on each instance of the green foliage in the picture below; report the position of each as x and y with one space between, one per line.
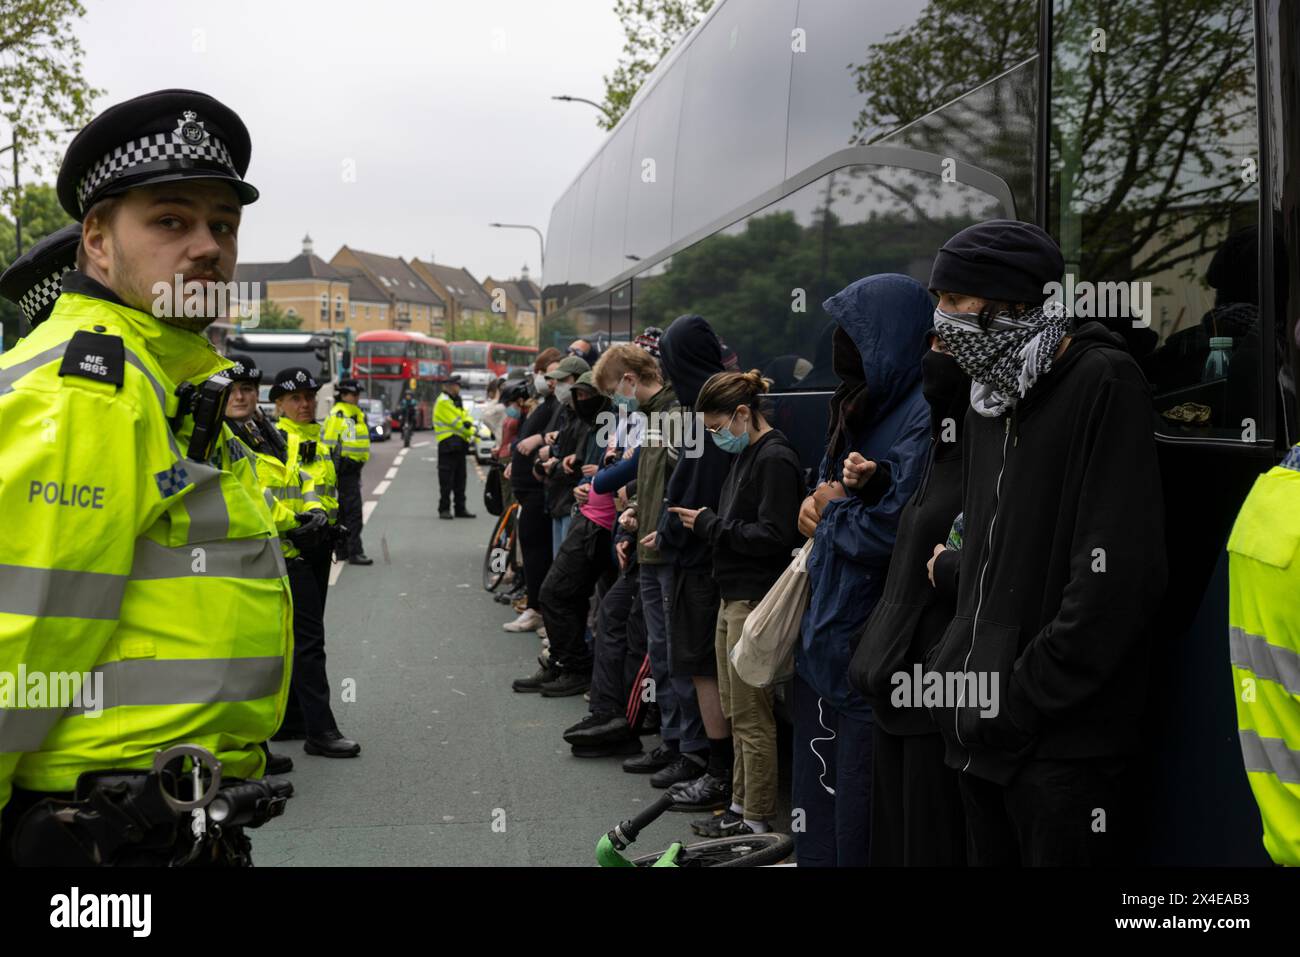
493 327
651 28
271 316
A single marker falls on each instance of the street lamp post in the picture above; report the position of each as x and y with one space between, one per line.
578 99
541 245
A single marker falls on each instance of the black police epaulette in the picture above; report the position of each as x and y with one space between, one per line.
95 355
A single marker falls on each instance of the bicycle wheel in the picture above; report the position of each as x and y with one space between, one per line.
499 551
741 850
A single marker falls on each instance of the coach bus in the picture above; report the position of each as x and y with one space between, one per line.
480 362
387 362
787 147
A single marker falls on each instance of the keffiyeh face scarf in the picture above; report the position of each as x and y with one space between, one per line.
1005 362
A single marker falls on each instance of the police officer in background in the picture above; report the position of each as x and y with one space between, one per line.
35 279
453 428
345 429
304 527
139 551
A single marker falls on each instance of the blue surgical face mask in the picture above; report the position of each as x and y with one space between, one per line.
728 441
513 412
629 402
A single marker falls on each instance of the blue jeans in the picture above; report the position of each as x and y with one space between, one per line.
559 528
679 712
832 752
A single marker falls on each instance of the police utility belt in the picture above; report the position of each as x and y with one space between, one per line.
165 816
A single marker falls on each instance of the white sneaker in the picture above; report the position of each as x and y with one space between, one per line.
541 633
529 620
546 642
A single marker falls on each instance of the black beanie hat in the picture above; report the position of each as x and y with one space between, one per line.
1002 260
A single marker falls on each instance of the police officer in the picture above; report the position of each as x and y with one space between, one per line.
453 428
345 429
1264 643
280 451
35 279
139 550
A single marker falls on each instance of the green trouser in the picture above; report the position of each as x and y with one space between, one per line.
753 723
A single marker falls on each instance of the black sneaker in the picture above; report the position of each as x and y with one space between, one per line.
650 721
446 515
462 513
726 824
611 727
705 793
361 559
533 683
652 761
609 749
566 684
590 721
680 771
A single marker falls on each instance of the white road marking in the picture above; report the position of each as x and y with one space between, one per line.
420 445
367 510
382 487
336 569
459 692
391 473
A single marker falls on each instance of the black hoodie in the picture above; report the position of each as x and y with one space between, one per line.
690 353
911 615
1061 569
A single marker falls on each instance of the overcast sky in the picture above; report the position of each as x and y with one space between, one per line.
443 107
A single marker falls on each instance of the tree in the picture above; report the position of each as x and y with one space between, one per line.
271 316
41 85
652 28
41 215
494 327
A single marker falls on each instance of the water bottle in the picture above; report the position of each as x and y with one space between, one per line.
1216 364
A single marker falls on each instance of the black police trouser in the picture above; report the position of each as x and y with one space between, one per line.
916 810
309 710
535 541
350 505
613 669
583 560
451 475
320 558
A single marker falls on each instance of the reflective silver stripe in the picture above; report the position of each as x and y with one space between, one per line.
57 593
133 360
333 514
247 558
25 729
1270 755
8 377
206 505
308 496
270 499
331 491
1268 661
283 492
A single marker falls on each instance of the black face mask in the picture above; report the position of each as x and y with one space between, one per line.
589 408
942 381
845 358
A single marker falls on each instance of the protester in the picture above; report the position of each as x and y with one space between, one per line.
752 533
878 411
1053 611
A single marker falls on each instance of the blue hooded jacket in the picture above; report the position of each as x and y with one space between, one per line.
887 317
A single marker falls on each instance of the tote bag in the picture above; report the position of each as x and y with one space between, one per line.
764 655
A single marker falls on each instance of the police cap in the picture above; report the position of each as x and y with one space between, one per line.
348 385
243 370
155 138
296 379
34 281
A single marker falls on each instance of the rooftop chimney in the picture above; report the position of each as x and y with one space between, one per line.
306 245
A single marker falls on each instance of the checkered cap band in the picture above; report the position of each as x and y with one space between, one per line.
156 148
41 295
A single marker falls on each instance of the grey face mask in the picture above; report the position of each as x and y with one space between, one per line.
563 390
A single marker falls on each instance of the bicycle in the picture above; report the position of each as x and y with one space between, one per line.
503 551
408 426
741 850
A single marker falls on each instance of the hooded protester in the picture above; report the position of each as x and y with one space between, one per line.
1048 643
916 813
691 353
879 412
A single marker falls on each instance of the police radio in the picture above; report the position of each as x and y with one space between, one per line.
206 404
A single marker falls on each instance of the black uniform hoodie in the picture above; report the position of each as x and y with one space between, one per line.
1062 567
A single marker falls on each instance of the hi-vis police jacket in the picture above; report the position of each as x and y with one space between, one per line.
1264 642
346 429
450 419
315 460
288 482
159 575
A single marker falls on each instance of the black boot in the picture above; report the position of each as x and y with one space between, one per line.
533 683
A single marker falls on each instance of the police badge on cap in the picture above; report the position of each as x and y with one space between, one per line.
159 137
293 380
243 370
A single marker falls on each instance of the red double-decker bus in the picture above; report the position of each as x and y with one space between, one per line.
387 362
479 362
